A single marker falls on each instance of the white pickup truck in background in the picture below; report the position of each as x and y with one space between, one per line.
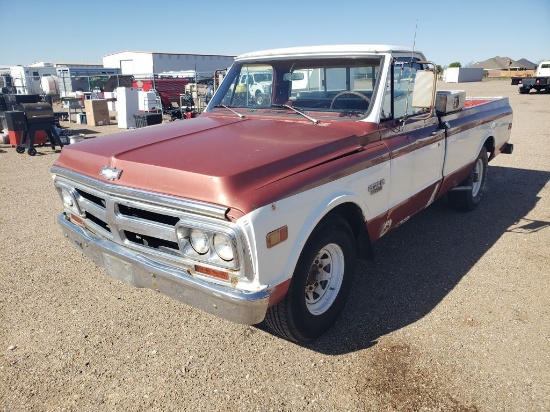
540 82
258 85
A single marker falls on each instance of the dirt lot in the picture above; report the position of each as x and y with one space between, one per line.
452 316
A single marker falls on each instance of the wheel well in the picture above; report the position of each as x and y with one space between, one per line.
351 213
490 146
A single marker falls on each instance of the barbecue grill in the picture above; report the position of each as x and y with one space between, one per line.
38 116
9 102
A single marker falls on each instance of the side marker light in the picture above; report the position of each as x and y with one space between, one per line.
277 236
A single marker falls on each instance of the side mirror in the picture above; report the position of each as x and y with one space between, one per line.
287 77
425 87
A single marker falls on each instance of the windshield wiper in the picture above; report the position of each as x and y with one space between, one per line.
241 116
286 106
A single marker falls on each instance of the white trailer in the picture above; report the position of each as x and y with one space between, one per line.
463 74
26 79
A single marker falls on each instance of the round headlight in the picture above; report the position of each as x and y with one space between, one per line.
67 199
199 241
223 247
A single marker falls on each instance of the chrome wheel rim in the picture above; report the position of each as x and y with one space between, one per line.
478 177
324 279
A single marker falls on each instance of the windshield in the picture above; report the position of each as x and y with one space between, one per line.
337 87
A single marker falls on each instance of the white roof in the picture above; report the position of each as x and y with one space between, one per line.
332 50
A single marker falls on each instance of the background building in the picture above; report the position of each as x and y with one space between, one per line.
506 67
139 63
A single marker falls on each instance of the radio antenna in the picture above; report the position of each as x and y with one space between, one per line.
414 38
410 71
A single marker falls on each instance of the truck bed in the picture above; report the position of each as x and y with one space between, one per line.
476 101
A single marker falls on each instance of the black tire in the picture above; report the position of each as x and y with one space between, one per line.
312 305
523 90
20 149
260 98
31 151
468 199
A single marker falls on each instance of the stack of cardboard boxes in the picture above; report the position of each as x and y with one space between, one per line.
97 112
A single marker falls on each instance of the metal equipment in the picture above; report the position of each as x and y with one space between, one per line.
147 119
37 116
10 102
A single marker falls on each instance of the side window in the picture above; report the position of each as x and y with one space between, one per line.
399 90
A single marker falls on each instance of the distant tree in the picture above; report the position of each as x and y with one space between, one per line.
439 70
455 64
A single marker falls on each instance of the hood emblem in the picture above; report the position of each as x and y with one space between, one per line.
110 173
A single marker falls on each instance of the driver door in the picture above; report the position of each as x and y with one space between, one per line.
417 149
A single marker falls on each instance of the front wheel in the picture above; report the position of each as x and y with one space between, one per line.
468 198
320 284
261 98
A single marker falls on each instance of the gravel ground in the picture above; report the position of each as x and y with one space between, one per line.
452 315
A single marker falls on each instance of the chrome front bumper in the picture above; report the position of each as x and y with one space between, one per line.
125 265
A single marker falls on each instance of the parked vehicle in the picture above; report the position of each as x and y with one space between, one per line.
257 85
540 82
259 211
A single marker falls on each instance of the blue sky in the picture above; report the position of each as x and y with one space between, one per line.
462 30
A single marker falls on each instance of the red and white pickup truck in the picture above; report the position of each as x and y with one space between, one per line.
259 209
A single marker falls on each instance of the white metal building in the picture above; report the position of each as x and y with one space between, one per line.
147 62
463 74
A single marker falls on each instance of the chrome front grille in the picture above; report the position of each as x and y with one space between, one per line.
129 221
137 219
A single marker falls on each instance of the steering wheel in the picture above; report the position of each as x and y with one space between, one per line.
349 92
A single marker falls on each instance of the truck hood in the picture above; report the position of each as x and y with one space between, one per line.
214 159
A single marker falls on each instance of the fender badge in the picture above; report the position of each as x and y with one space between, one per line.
110 173
376 187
